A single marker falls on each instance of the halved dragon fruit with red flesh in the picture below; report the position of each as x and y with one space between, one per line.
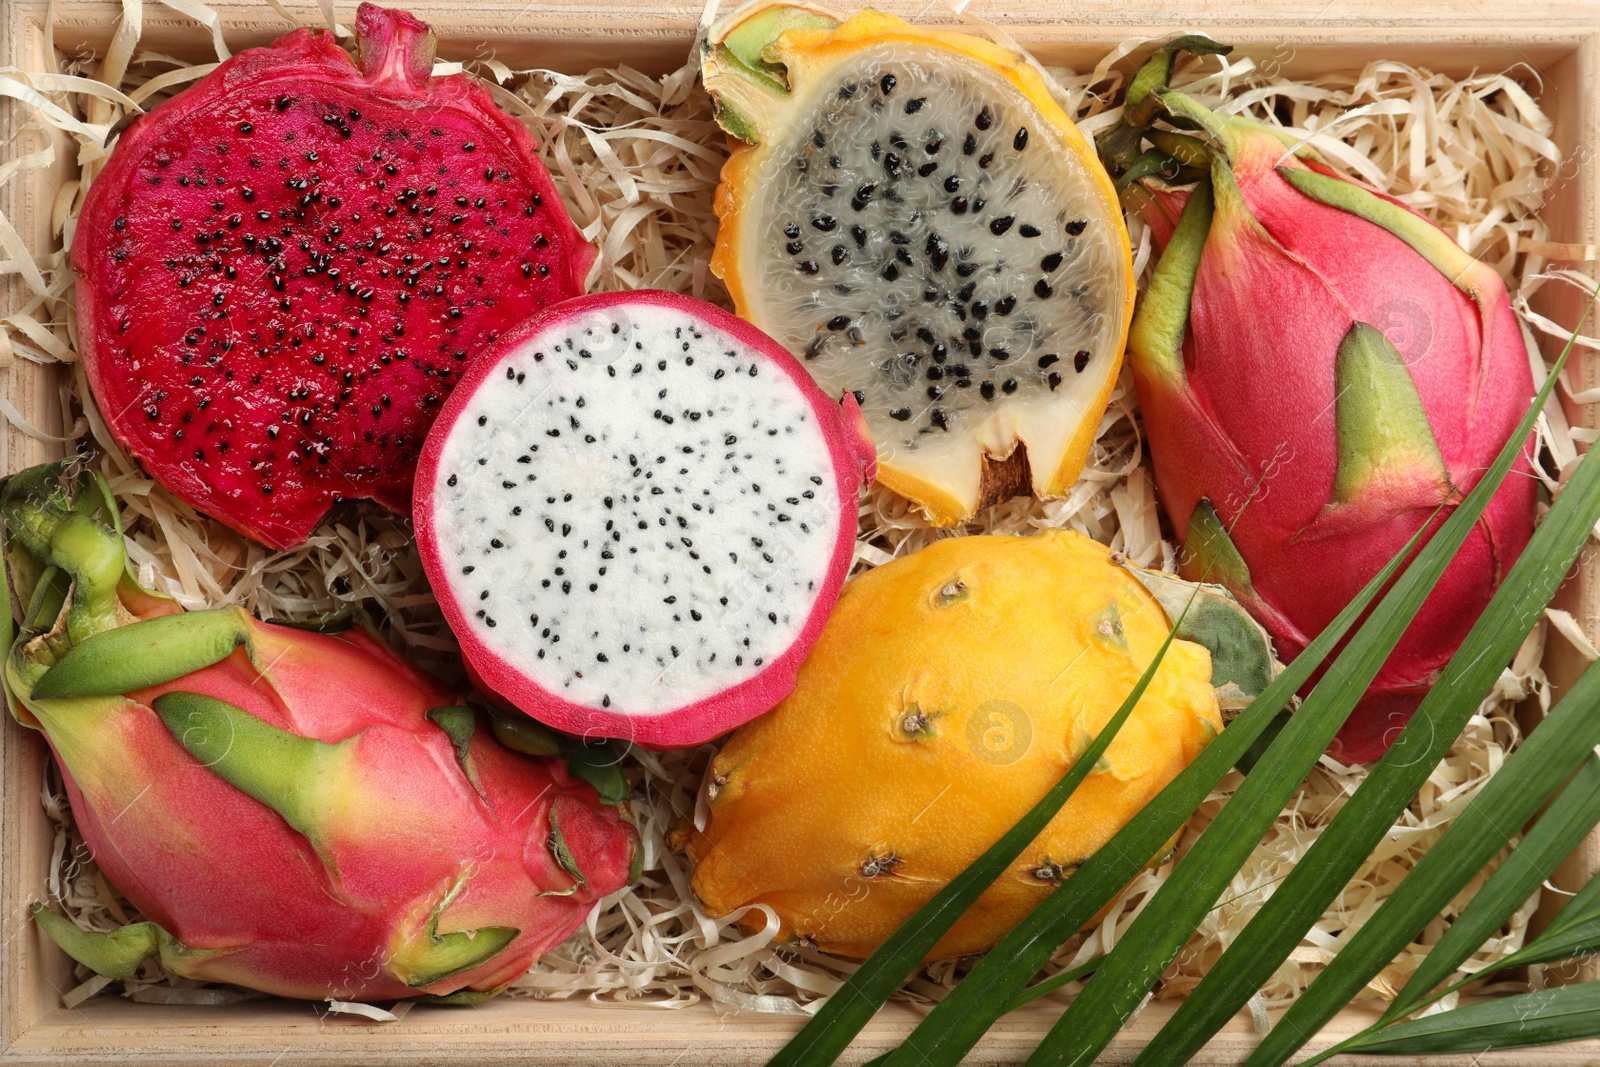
285 269
636 512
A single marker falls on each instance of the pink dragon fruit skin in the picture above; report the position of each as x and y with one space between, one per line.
297 812
1320 369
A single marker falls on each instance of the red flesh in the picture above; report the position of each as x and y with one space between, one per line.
264 369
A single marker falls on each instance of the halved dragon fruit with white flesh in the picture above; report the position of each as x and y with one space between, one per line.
916 218
637 511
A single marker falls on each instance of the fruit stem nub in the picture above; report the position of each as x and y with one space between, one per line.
394 45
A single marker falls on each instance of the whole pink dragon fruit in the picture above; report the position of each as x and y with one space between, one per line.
283 271
1320 369
298 812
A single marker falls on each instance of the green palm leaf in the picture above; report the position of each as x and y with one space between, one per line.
1510 799
1156 936
1565 1013
1576 930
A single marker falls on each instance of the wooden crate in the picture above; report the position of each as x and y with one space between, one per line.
1557 42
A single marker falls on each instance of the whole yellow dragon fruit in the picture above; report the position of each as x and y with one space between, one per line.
949 691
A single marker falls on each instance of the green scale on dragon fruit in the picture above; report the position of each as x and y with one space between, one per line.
293 809
636 513
285 269
1320 368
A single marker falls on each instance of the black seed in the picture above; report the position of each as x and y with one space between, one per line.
999 354
1050 262
940 352
860 235
1001 224
936 416
952 183
1028 230
838 322
939 249
900 414
886 83
817 138
985 118
914 106
967 269
1004 305
791 230
980 310
1076 227
1042 290
839 255
1054 380
959 205
935 373
904 257
246 128
934 392
1081 360
1048 361
794 248
891 273
927 169
969 146
807 266
825 223
986 159
987 389
1020 141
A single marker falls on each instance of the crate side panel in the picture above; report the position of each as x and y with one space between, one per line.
32 975
1574 216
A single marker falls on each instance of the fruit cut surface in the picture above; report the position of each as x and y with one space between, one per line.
285 269
636 514
921 223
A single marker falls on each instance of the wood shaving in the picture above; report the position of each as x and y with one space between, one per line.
636 159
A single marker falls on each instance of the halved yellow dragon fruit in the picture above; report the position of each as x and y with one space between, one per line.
915 217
